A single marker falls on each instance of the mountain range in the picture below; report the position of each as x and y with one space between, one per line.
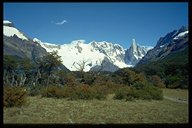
172 42
97 56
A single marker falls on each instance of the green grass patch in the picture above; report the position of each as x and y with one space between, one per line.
52 110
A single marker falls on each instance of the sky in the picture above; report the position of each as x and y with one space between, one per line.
61 23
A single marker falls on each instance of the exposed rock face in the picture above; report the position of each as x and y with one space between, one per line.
22 48
174 41
106 65
135 53
17 44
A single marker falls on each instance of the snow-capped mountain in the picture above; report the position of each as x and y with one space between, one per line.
93 53
96 54
135 53
174 41
10 30
17 44
103 56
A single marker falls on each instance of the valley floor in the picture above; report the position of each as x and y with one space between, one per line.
49 110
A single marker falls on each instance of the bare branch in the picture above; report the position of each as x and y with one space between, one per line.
80 65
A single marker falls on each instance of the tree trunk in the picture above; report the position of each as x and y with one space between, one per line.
48 80
6 78
13 80
36 78
23 79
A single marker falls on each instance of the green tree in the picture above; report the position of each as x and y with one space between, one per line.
129 77
10 66
47 64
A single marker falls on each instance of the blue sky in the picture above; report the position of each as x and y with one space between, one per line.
112 22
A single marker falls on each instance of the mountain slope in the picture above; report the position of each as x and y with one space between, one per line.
169 60
106 65
17 44
173 69
174 41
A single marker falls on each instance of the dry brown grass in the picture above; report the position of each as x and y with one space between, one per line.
50 110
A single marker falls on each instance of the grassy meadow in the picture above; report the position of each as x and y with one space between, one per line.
42 110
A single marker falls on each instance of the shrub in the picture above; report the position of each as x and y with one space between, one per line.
130 98
156 93
68 91
100 91
138 85
34 90
122 92
69 79
128 77
87 92
157 81
174 81
53 91
147 91
143 91
87 78
82 92
142 94
14 96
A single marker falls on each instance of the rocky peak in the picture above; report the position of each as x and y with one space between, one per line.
134 45
135 53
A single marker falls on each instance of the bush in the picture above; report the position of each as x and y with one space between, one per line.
155 93
138 85
128 77
147 91
53 91
69 79
82 92
14 96
157 81
122 92
87 78
143 91
174 81
34 90
100 91
142 94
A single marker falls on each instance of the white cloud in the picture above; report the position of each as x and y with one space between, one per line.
61 23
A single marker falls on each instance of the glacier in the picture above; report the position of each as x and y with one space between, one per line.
93 53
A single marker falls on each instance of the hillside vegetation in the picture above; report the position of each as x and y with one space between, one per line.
172 70
44 77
